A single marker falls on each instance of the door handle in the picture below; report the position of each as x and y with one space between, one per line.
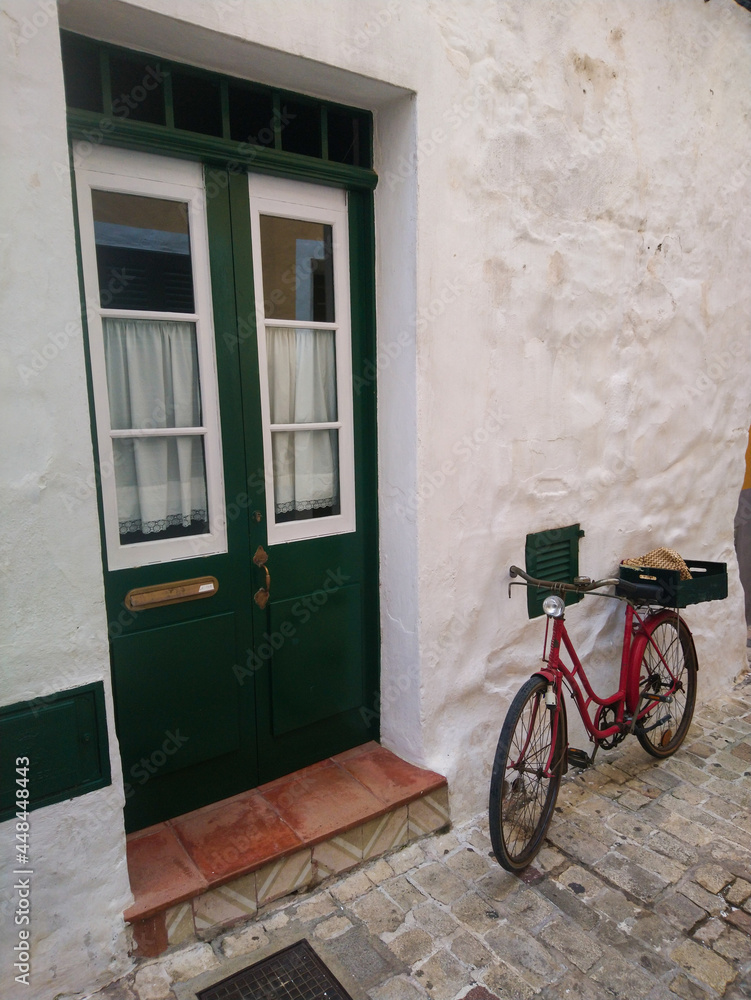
261 596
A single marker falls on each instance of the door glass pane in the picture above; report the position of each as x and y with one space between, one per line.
152 382
161 487
302 128
197 103
298 272
306 474
143 253
137 88
302 375
152 373
251 115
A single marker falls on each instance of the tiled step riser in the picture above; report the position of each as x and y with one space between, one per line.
239 899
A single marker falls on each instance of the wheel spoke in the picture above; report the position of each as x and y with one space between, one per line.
669 671
523 799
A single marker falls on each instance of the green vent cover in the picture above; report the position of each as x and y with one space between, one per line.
64 738
552 555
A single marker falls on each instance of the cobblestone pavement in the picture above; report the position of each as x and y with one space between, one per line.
642 892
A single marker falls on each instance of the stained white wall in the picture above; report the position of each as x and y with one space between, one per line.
595 368
563 308
54 632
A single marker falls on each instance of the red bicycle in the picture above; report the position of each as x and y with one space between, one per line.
654 701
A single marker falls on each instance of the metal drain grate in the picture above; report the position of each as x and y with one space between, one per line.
295 973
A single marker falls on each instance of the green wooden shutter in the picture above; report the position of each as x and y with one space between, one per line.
552 555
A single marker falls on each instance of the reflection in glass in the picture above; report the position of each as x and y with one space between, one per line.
161 487
298 272
143 253
302 375
306 474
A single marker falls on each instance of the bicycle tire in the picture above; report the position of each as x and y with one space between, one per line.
520 810
665 727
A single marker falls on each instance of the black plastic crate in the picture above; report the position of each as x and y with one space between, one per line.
709 582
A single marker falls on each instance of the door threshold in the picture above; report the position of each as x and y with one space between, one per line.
197 874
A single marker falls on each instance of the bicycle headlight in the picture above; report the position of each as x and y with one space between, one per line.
554 606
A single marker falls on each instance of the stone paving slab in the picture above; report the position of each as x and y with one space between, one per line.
642 892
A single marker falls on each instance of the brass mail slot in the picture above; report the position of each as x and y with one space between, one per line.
171 593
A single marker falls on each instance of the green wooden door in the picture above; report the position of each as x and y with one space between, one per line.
227 671
315 664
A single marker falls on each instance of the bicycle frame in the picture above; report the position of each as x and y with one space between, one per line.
626 701
654 701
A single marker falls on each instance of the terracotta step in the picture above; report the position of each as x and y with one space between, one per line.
199 873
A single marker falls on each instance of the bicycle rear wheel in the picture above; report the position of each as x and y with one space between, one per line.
522 798
663 730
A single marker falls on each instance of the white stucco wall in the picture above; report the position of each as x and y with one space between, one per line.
54 632
596 208
563 317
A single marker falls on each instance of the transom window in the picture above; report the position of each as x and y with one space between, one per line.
123 86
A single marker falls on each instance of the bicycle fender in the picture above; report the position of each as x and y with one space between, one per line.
651 623
549 676
640 644
563 721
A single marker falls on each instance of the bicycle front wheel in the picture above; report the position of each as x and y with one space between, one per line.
522 796
669 671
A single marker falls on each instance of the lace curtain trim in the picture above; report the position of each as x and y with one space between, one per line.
172 521
292 505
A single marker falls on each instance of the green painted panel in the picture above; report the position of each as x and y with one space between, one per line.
552 555
317 655
64 737
179 684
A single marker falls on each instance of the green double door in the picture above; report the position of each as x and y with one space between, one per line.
241 559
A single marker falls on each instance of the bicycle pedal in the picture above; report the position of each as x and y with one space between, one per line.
578 758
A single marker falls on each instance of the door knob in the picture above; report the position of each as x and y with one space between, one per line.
261 596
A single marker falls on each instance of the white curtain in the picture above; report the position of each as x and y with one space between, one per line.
152 380
302 389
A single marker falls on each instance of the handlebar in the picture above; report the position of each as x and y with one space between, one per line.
557 586
643 593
